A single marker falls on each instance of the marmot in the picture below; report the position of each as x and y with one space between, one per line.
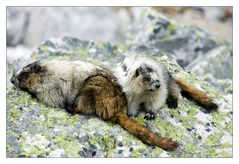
148 86
84 88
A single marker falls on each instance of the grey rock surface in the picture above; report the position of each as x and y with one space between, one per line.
159 32
215 64
16 25
35 130
25 24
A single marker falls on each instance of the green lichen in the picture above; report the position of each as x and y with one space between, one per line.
135 154
14 115
34 152
44 49
156 153
140 119
83 53
190 148
122 48
170 30
108 142
225 155
101 45
198 34
211 140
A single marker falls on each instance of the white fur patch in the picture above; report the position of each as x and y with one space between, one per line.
137 93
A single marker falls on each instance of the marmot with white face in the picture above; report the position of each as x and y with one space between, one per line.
84 88
148 86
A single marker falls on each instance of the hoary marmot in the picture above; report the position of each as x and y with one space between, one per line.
148 86
84 88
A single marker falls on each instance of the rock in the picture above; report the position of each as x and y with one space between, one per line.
215 64
224 85
39 130
214 13
64 21
158 32
65 49
198 51
217 23
17 22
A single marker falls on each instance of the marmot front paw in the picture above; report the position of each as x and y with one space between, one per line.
150 116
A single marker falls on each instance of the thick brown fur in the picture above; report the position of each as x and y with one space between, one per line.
191 92
86 89
110 104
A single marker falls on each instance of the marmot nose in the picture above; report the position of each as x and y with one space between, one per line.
157 86
12 80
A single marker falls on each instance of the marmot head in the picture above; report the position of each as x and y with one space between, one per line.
29 77
144 74
146 79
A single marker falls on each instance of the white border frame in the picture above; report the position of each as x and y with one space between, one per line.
5 3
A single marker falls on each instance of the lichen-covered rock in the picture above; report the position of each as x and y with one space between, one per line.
224 85
35 130
159 32
216 64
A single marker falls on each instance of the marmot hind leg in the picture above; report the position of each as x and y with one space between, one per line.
84 103
173 93
191 92
103 97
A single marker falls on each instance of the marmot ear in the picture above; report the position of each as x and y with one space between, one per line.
138 71
124 67
37 68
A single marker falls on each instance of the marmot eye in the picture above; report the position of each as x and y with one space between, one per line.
149 69
36 68
23 76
